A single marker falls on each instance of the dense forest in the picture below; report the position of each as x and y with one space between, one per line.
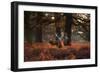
56 36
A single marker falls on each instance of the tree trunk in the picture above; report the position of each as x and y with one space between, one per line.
68 25
39 29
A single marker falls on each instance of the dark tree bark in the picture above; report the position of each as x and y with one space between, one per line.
68 25
27 29
39 28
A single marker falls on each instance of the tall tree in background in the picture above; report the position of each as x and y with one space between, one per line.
68 25
33 26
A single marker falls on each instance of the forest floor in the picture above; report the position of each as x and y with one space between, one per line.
46 51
